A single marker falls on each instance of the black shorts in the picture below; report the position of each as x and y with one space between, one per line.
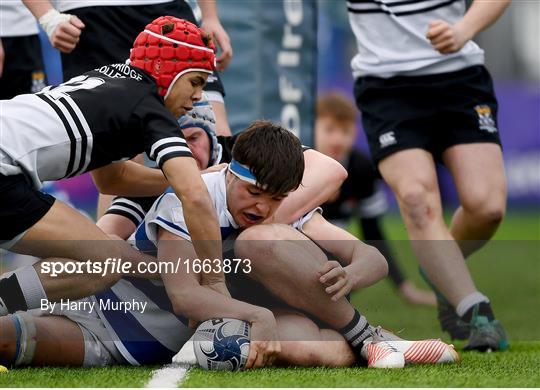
23 66
432 112
21 206
110 32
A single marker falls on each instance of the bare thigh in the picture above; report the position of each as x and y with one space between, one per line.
59 341
63 232
478 172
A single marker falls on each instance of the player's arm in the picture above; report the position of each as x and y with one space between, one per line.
364 264
184 177
62 29
447 38
190 299
323 176
212 25
128 178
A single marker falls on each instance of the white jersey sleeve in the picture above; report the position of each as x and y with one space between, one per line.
299 224
167 213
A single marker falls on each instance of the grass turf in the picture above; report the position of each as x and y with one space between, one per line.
507 270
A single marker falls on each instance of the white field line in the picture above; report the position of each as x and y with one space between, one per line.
171 375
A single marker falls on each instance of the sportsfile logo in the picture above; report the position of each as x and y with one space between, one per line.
485 119
387 139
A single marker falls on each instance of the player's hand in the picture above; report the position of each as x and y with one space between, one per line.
447 38
215 168
264 346
67 34
218 33
2 55
337 280
63 30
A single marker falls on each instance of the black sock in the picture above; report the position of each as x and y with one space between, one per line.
356 332
12 295
482 309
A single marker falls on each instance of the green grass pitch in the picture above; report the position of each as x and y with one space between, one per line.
507 270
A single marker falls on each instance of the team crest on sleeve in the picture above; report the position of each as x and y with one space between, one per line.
486 122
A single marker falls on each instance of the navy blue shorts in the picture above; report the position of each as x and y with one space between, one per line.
21 206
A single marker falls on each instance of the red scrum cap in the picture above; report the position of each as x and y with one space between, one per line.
170 47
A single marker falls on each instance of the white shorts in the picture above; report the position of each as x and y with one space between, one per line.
99 347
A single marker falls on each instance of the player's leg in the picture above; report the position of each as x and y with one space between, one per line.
40 341
304 344
286 264
411 175
478 172
62 233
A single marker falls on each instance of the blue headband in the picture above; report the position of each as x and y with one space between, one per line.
242 172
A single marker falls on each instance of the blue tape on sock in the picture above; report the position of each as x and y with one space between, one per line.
18 330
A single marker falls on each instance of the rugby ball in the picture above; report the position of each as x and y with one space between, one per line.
222 344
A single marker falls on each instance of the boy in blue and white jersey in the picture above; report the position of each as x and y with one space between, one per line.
244 195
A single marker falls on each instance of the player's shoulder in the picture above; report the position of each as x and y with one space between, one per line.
215 183
122 72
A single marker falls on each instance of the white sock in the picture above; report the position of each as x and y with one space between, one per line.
469 301
31 286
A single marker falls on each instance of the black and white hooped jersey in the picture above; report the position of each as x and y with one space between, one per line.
106 115
391 38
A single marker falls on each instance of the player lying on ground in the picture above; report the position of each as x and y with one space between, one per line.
322 175
106 115
153 335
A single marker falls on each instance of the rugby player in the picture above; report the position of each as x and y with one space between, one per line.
244 194
94 122
322 175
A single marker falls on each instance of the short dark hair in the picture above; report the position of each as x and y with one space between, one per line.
273 154
337 106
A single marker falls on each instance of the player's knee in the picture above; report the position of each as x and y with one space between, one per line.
416 202
380 263
17 339
491 215
8 340
259 240
486 210
258 233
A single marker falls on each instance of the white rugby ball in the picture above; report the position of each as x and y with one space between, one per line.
222 344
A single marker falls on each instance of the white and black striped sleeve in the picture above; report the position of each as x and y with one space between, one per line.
163 138
134 209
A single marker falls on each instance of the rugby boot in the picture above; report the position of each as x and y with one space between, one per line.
486 335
